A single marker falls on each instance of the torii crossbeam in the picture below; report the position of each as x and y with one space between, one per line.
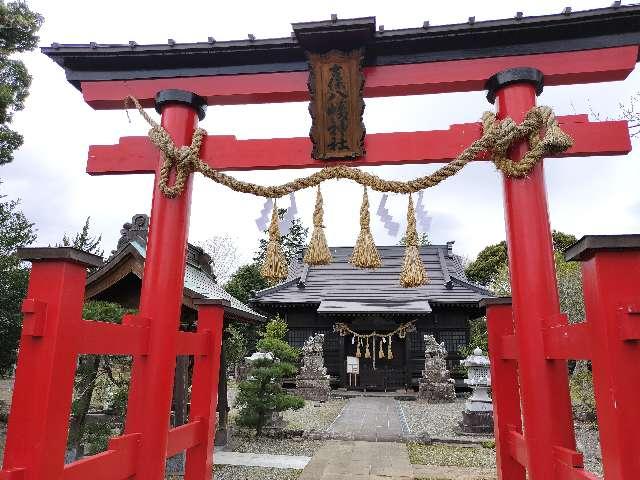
571 48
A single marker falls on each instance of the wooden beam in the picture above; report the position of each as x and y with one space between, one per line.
508 348
570 465
104 338
566 68
568 342
194 343
222 152
119 461
185 436
518 447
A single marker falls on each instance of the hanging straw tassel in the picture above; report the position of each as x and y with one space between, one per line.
413 273
358 354
275 266
367 352
381 351
365 254
318 252
389 351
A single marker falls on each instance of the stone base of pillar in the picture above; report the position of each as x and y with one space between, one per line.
436 392
313 388
477 423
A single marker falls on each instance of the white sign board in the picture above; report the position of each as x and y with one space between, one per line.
353 365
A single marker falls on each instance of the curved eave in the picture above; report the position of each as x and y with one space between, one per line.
586 30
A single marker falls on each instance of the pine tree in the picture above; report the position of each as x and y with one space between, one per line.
18 27
262 394
84 241
15 231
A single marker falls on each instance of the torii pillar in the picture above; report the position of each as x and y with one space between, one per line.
544 387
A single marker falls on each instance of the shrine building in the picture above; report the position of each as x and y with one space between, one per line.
315 298
120 278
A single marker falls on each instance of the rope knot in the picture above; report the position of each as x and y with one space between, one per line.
539 127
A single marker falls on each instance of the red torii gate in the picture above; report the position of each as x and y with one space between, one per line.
54 333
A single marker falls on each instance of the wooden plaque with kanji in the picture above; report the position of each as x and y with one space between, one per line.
335 85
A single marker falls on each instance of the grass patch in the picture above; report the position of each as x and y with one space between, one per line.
450 455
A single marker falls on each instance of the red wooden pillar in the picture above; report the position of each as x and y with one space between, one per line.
39 419
543 383
505 391
611 278
204 389
161 295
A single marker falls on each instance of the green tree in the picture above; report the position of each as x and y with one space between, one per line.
112 372
246 280
478 337
235 344
84 241
562 241
569 282
492 260
293 242
15 231
423 239
262 395
18 27
491 268
487 264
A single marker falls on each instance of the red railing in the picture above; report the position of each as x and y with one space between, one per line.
53 336
609 337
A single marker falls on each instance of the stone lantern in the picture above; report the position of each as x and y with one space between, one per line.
477 417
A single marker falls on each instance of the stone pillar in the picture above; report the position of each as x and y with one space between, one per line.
435 384
477 417
312 381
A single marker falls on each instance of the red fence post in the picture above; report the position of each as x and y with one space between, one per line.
204 390
543 383
611 278
161 296
505 391
39 419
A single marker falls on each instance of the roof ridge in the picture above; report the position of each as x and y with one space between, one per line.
473 286
275 288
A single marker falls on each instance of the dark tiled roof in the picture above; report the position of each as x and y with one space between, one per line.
519 35
341 287
198 283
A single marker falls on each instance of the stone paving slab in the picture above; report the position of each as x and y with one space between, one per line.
260 460
454 473
358 460
372 419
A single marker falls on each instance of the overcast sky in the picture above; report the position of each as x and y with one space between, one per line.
586 196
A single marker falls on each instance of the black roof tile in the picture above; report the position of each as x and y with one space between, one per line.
340 286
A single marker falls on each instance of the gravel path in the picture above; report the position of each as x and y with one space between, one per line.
458 456
439 420
244 441
314 416
231 472
6 390
588 442
3 435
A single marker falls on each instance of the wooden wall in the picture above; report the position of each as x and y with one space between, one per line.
448 324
